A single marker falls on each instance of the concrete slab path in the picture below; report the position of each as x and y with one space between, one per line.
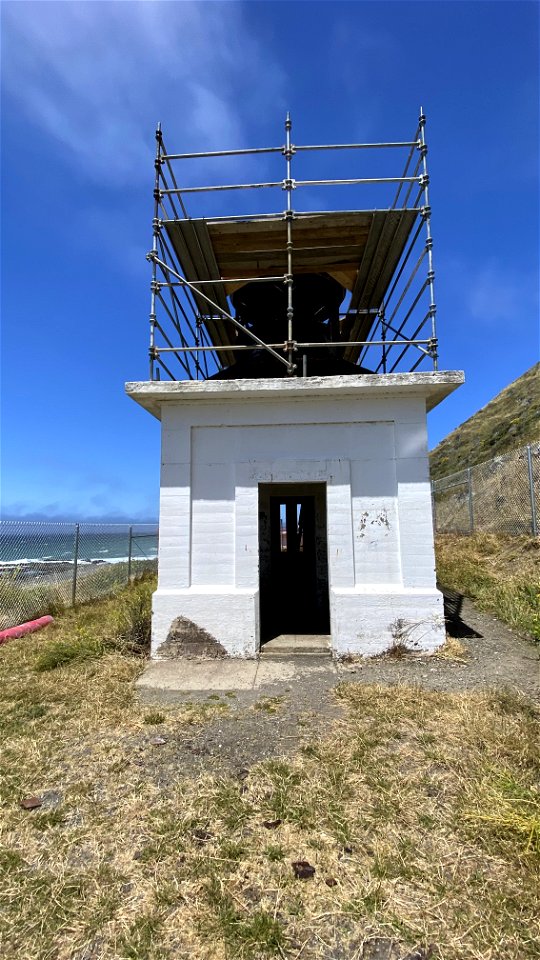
215 676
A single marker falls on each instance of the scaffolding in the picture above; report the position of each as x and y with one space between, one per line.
382 254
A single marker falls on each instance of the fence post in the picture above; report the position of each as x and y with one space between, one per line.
433 506
75 562
534 525
130 545
471 507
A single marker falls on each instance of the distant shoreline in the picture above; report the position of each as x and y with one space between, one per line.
49 572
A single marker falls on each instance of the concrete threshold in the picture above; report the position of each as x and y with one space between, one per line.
297 645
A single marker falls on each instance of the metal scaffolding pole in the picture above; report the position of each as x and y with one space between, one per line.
155 234
429 239
223 313
288 186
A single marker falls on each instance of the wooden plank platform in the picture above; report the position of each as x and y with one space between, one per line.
360 249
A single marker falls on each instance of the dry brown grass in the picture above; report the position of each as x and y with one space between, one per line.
501 574
422 807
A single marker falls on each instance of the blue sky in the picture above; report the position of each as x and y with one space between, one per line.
83 85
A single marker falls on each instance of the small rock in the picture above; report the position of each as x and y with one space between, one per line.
330 882
158 741
303 870
51 799
202 836
31 803
378 948
420 953
271 824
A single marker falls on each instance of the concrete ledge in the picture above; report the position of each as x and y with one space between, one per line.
433 385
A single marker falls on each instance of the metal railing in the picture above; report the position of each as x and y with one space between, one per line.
499 496
46 566
181 311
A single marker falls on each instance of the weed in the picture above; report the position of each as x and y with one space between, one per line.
247 936
49 819
132 616
232 850
269 704
81 646
154 719
275 853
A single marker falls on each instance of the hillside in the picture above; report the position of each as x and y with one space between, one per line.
510 420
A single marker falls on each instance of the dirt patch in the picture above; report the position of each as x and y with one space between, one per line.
273 720
252 725
494 656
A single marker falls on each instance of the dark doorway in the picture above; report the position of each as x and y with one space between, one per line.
293 560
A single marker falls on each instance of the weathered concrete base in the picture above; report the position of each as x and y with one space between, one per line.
225 620
365 621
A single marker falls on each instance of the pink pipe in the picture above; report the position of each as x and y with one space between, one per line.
24 628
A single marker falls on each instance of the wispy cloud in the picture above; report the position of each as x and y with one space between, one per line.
97 76
498 294
490 292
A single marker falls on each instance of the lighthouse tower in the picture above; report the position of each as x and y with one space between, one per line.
293 361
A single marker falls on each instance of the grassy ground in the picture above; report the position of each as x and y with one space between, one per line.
52 592
501 575
420 813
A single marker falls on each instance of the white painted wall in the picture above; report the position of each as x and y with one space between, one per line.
372 453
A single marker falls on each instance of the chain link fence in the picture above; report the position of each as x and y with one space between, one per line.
46 566
500 496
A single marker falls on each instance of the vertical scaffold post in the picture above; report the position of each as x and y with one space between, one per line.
130 551
383 338
155 234
75 564
426 213
288 187
534 523
471 504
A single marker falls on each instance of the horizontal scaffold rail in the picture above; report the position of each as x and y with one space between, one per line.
295 148
284 184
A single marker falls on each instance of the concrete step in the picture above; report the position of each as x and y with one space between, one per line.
296 645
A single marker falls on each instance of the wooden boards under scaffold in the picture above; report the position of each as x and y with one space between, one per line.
360 249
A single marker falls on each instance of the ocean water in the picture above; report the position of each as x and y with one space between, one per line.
26 544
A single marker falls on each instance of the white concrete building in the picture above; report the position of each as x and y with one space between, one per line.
357 447
295 494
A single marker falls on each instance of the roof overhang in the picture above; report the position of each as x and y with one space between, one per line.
433 386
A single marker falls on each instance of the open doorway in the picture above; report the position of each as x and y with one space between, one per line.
293 560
